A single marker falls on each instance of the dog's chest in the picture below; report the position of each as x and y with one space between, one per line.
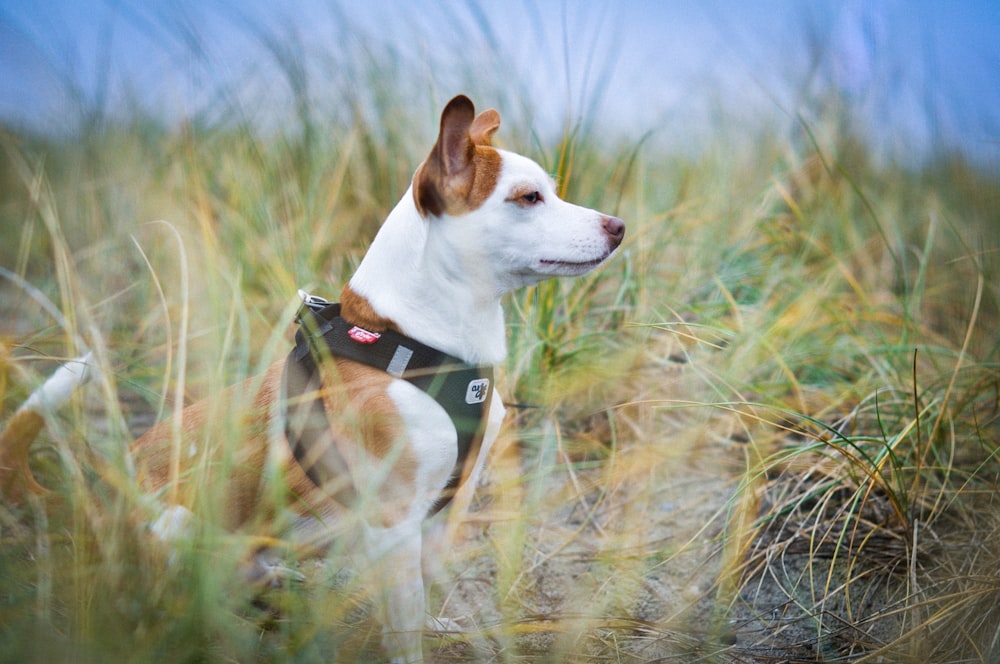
441 405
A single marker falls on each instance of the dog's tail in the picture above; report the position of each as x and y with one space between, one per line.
23 427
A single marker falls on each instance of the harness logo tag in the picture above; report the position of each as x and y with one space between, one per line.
363 336
477 391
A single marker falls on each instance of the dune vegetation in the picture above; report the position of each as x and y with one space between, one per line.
767 430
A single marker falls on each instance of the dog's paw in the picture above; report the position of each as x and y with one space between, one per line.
173 524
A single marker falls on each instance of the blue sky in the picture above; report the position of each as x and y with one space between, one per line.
919 73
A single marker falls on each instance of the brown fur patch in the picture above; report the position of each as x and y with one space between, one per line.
364 424
205 423
484 126
488 164
462 169
357 310
15 474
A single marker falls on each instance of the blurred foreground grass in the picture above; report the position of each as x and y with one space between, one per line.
767 429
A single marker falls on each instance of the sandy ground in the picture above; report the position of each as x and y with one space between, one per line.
622 557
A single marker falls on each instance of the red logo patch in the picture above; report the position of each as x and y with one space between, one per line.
363 336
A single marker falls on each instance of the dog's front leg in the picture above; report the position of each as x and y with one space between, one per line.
396 556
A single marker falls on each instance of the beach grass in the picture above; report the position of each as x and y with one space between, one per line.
766 430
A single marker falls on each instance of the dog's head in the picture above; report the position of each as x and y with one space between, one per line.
499 211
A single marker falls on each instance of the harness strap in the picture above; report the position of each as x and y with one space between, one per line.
308 430
462 389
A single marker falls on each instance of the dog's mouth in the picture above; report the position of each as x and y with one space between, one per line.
553 266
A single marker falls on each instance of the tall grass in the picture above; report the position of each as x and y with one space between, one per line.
766 430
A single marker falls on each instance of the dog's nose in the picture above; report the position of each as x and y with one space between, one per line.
615 228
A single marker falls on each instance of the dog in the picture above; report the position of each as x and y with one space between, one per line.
385 408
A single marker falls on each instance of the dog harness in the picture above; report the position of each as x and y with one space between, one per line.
462 389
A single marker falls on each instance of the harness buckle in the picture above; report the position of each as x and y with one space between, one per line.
311 302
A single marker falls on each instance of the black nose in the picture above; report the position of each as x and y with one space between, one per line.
615 228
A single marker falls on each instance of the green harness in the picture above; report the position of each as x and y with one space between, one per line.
463 390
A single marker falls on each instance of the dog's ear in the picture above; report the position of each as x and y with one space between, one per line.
484 126
457 176
455 139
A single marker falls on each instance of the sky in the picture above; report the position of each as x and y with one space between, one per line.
918 74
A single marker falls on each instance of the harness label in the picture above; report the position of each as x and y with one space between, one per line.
477 391
363 336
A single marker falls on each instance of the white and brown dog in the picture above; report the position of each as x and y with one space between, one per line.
385 407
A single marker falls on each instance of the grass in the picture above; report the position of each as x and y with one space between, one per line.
767 430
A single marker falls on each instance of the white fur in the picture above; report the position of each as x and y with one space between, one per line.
57 390
431 435
174 523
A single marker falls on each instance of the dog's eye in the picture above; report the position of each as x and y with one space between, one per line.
525 196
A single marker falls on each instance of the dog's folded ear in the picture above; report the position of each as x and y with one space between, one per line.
484 126
457 177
